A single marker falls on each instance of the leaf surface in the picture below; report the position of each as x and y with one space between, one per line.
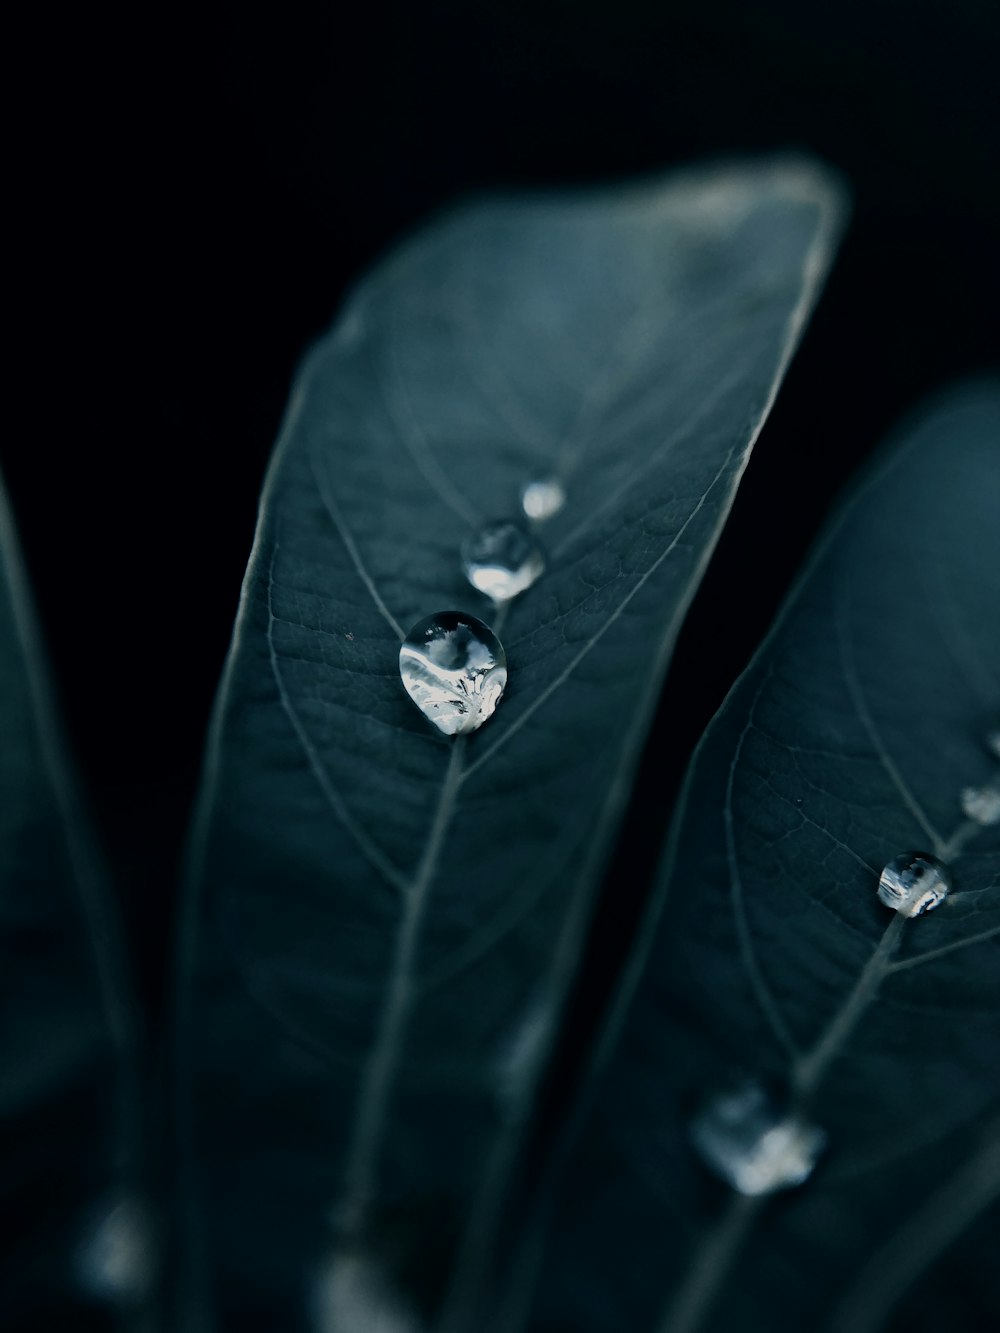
382 924
77 1253
768 956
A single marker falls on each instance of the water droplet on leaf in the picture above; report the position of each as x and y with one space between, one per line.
745 1139
454 669
541 499
913 883
981 804
501 560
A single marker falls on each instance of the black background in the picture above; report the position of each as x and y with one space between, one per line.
192 193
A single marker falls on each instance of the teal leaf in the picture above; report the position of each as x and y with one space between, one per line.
768 957
78 1249
382 924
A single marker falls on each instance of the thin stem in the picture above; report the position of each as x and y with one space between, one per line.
723 1243
373 1099
711 1266
810 1068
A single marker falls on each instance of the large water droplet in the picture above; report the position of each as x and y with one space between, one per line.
746 1140
541 499
913 883
454 669
501 559
981 804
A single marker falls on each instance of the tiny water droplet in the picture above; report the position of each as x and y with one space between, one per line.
981 804
913 883
454 669
993 741
501 559
745 1139
541 499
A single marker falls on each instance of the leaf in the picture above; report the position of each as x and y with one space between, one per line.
69 1103
768 956
382 925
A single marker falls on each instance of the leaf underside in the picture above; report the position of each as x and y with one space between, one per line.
382 924
68 1104
846 742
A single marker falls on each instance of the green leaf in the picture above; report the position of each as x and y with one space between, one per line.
77 1252
382 923
769 957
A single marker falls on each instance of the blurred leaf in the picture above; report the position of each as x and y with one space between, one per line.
77 1251
768 956
382 924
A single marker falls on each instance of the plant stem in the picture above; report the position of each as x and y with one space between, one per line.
810 1068
376 1086
711 1266
723 1243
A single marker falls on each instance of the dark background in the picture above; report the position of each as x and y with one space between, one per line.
192 194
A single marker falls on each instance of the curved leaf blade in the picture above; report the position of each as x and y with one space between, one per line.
767 956
382 926
69 1100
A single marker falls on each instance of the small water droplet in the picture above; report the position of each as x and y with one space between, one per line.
981 804
454 669
993 741
501 560
745 1139
541 499
913 883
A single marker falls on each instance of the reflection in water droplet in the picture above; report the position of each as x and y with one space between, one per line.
748 1142
354 1294
118 1257
981 804
541 499
913 883
501 560
454 669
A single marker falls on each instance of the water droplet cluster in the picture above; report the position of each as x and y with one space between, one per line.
748 1139
453 666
